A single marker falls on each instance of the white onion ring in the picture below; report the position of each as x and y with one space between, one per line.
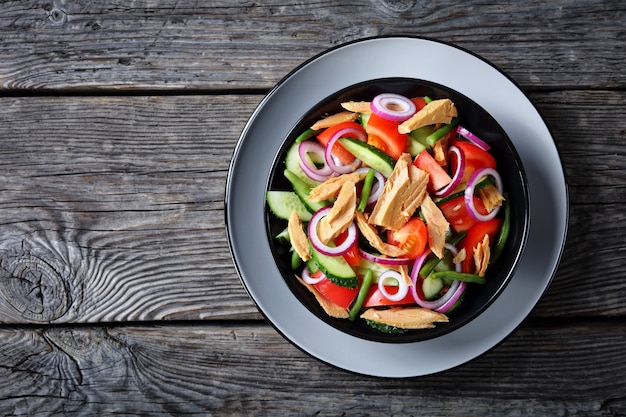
321 246
458 174
383 260
472 138
313 172
328 151
403 288
394 107
469 193
306 276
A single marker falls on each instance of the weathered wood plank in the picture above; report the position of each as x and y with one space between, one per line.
590 278
251 370
117 202
84 45
590 132
124 203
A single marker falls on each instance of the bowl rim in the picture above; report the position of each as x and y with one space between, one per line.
502 275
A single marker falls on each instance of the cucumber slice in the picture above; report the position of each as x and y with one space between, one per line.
336 269
417 140
283 237
431 287
312 265
282 203
370 155
292 163
415 147
302 190
376 268
420 134
363 119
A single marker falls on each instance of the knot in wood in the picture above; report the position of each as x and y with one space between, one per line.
57 16
33 287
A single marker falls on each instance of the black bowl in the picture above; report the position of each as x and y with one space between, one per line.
474 118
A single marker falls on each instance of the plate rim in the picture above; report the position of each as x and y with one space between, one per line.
280 327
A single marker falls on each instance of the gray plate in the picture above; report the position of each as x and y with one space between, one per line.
337 69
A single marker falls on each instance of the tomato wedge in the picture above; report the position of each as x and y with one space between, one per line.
375 298
420 103
339 151
455 211
474 158
437 176
352 256
341 296
411 238
475 235
377 142
387 130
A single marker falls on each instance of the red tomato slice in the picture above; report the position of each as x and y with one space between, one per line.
420 103
474 158
375 298
437 176
475 235
387 131
339 151
342 296
456 213
352 256
377 142
411 238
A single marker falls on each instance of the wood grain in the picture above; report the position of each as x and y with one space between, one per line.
251 370
117 292
123 198
112 207
190 45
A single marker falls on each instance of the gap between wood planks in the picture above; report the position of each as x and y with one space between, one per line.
97 92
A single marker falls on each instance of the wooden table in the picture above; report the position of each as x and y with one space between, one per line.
117 289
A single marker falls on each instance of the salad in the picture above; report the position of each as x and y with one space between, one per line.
394 210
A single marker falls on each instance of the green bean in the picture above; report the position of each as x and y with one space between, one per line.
360 298
306 135
461 276
432 263
367 189
295 260
498 247
442 131
429 266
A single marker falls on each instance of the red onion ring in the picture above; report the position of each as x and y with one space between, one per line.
306 276
458 174
459 291
321 246
383 260
455 297
472 138
351 132
469 193
438 304
377 187
311 171
403 288
393 107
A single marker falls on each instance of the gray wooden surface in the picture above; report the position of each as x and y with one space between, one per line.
117 291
